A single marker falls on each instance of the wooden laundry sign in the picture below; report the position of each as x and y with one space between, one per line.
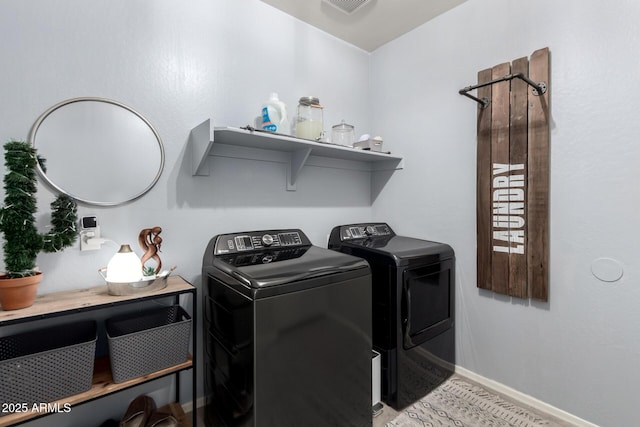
513 178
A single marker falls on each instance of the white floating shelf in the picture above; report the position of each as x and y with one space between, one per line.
206 140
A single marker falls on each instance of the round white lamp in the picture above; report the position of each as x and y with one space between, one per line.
124 266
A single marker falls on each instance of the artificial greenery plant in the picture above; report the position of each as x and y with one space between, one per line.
22 242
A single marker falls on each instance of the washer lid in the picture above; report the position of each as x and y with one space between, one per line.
405 247
265 268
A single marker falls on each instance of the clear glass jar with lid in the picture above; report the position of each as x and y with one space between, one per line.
309 123
343 134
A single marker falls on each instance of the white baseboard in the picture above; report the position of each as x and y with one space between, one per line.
525 399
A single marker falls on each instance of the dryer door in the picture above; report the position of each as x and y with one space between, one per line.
427 306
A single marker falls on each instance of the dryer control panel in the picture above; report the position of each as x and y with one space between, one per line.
259 240
363 231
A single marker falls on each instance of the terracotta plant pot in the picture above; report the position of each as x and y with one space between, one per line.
18 292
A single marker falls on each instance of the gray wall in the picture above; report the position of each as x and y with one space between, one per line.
578 352
179 63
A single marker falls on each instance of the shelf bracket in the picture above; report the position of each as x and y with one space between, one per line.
298 159
201 141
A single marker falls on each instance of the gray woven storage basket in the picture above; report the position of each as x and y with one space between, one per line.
46 365
142 343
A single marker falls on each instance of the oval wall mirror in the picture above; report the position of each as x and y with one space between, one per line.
98 151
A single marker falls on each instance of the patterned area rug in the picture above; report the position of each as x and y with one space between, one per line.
458 403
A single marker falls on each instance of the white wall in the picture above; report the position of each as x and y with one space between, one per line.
579 352
178 63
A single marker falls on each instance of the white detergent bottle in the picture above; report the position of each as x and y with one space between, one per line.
274 116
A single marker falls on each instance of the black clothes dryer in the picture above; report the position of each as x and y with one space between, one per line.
287 332
413 307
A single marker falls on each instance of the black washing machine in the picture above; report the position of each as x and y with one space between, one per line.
413 284
287 332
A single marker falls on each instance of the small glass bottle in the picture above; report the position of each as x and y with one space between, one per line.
309 123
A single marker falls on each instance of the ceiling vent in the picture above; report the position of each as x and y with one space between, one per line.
347 6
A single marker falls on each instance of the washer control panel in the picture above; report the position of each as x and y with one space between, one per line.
259 240
363 231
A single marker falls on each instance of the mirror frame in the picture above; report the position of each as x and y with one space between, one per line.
42 174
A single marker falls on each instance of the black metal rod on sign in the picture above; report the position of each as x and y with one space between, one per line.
539 88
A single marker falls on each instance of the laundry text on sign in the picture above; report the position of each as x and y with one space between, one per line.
508 208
